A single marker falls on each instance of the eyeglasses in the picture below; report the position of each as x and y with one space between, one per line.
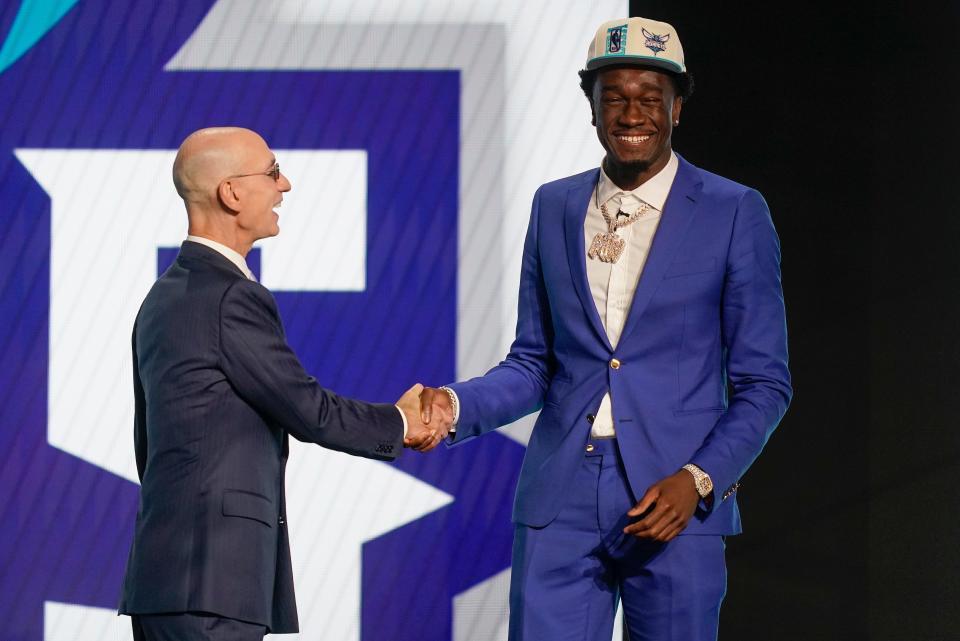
273 172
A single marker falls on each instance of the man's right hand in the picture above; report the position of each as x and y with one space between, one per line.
420 436
436 410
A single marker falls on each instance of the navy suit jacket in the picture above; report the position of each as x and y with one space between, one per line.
218 391
703 372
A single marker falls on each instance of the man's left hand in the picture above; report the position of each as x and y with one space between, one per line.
670 503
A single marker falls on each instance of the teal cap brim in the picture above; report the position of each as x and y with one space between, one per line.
652 61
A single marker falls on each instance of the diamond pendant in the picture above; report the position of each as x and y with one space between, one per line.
607 247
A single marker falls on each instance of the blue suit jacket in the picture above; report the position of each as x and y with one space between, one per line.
703 375
217 392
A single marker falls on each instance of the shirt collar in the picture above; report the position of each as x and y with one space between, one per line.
231 255
654 191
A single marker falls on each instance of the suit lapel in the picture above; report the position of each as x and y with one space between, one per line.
678 213
574 215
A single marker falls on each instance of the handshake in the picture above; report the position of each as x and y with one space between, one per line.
429 414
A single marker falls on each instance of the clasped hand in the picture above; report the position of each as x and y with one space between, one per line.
429 417
665 508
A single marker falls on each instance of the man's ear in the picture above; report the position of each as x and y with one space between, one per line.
677 107
593 114
228 196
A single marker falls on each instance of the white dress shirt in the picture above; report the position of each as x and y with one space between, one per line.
613 284
241 263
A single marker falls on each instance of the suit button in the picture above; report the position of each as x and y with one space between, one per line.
281 521
614 363
591 418
589 447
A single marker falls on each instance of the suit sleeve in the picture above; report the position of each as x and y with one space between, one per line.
755 339
139 412
266 373
516 387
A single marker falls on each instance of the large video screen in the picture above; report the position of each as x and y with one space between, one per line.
414 134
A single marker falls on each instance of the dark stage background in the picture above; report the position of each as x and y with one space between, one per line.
843 115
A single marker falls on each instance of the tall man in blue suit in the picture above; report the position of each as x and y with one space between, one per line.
218 393
651 335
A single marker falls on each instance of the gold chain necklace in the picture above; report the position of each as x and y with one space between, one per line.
608 246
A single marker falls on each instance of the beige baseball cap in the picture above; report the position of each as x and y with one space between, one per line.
639 41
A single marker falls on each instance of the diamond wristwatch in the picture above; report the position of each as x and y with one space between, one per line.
701 479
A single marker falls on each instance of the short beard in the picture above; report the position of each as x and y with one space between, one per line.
632 167
637 166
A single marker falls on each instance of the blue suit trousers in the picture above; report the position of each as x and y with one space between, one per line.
569 575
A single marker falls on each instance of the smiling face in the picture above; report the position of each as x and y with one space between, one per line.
634 110
257 191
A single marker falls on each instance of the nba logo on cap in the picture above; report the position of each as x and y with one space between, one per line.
616 39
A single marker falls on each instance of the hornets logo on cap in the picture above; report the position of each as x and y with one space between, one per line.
655 43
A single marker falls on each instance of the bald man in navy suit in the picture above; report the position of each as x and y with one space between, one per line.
218 393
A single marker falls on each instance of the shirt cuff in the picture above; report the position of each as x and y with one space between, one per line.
403 417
